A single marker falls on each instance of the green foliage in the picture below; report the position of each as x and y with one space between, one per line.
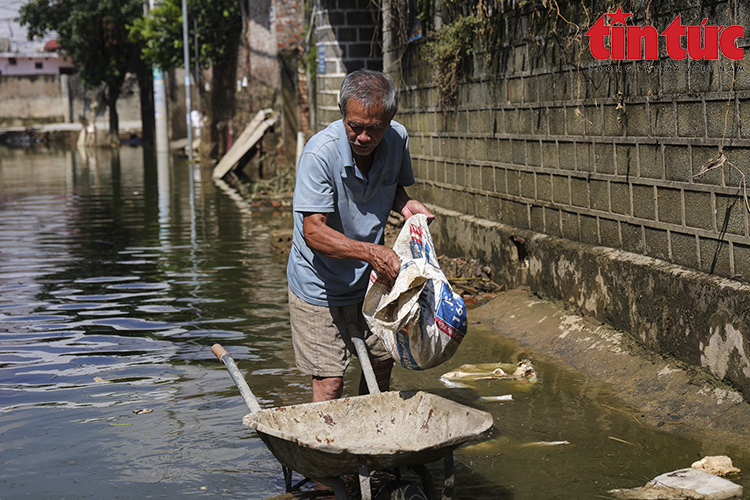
160 33
448 51
91 32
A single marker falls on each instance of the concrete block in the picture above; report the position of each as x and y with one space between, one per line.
462 121
636 119
625 160
515 90
644 204
519 213
510 119
673 78
530 89
518 148
504 151
478 150
488 178
662 119
620 197
545 87
528 185
722 120
684 249
698 210
593 121
536 217
574 119
490 146
589 229
533 154
741 262
549 154
609 233
615 121
561 189
584 157
543 187
715 257
604 158
599 191
460 172
670 205
552 222
677 163
562 86
690 119
632 237
484 124
702 76
570 227
474 176
501 180
513 182
731 214
524 121
656 242
647 79
579 192
539 121
650 161
701 155
566 155
557 121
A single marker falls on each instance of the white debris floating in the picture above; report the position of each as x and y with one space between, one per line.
683 484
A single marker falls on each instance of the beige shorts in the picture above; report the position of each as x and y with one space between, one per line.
322 346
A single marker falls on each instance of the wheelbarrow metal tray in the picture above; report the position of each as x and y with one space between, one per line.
383 431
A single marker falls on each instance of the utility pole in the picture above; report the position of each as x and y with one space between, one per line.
161 117
188 104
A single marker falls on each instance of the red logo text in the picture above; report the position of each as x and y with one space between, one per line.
701 42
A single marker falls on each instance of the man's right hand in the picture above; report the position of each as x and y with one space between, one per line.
384 260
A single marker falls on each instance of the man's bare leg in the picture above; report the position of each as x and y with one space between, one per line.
327 388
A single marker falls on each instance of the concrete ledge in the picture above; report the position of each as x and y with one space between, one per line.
658 392
699 319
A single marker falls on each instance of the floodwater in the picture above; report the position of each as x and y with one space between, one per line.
118 273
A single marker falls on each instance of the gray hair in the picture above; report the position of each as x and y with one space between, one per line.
371 88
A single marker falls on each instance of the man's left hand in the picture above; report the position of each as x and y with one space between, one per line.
414 207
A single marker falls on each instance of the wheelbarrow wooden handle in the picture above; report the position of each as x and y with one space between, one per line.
250 400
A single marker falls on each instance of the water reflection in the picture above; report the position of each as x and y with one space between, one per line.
119 269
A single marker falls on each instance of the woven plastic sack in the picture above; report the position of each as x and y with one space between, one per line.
419 317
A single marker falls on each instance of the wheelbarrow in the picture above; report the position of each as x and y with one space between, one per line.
380 431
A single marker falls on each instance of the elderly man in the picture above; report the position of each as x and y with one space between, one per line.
349 177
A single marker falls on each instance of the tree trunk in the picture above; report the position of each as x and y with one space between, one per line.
146 87
113 92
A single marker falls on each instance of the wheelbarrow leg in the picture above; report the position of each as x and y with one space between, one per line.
450 477
364 482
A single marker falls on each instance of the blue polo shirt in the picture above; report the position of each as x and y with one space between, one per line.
328 181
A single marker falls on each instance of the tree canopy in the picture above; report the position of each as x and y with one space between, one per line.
160 33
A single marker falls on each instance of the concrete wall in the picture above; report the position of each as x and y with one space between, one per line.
581 179
40 99
345 41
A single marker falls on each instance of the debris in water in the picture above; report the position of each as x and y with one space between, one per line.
717 465
523 370
506 397
142 411
546 443
692 484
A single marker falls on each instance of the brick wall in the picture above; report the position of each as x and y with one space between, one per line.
345 40
597 152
